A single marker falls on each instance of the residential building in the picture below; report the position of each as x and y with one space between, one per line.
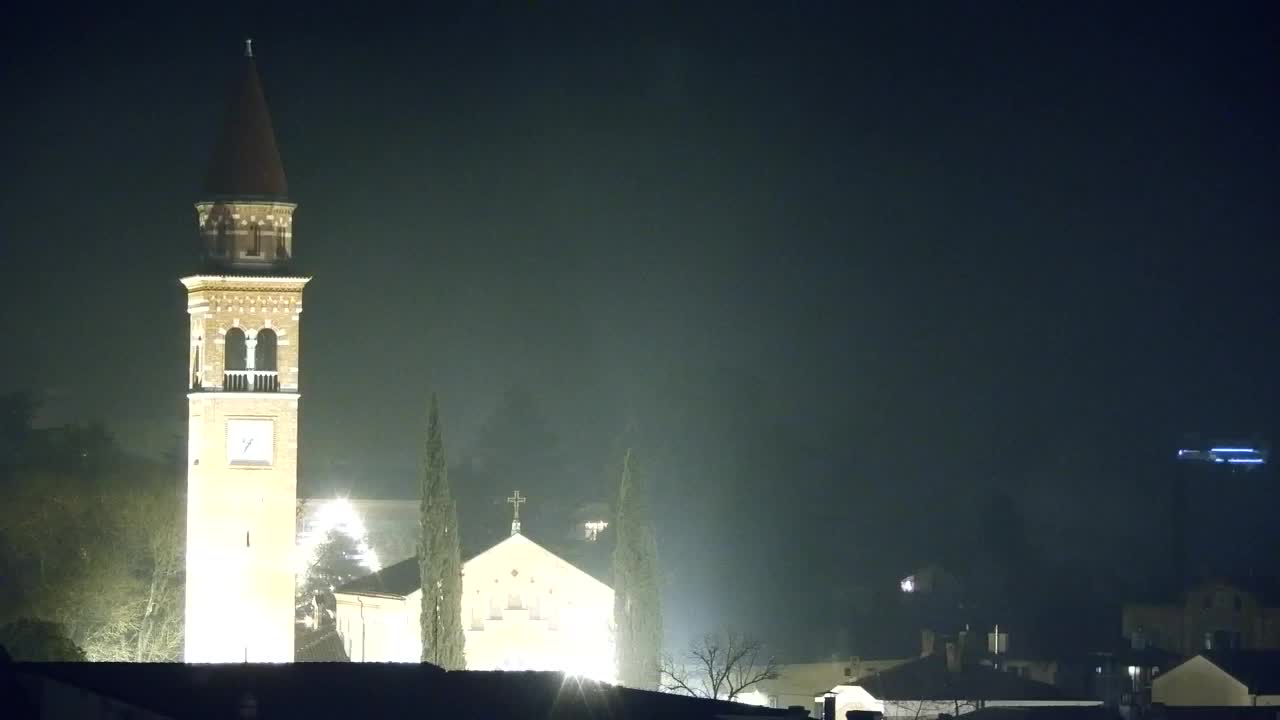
1222 678
1216 615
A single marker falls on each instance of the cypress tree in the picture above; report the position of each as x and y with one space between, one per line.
439 560
637 602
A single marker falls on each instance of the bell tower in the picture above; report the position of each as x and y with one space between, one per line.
242 455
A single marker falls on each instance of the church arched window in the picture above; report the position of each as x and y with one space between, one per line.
264 359
235 349
282 252
255 239
264 353
235 357
514 601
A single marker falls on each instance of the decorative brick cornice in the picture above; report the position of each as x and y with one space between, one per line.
267 283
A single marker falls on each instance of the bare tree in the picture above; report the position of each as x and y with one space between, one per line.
106 564
720 666
922 709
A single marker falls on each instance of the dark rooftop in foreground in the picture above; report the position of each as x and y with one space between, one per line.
366 690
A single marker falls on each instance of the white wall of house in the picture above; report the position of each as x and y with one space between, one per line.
1199 682
380 629
798 683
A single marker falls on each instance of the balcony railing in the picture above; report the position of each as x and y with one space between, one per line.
250 381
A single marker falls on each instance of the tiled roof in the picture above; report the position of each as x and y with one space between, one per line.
400 579
322 646
928 678
246 162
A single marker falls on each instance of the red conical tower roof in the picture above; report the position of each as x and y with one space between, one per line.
246 162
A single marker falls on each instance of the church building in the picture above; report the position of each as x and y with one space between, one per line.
242 389
523 608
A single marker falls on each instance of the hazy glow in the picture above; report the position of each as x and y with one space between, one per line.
753 697
908 584
338 515
594 528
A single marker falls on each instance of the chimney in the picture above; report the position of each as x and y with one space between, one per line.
926 642
997 642
953 658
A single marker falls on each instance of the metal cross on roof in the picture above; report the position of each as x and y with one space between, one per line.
516 501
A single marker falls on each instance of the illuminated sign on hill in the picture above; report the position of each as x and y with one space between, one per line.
1235 456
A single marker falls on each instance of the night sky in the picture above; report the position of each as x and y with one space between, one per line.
843 275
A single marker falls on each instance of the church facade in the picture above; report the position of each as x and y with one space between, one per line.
523 608
242 388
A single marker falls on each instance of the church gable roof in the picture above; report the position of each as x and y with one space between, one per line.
403 578
247 162
520 541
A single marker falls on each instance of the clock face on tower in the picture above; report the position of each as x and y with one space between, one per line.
249 441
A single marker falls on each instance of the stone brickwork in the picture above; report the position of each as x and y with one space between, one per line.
242 385
241 518
240 532
245 234
217 304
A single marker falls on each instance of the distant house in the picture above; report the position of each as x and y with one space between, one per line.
1217 615
942 683
1234 678
799 683
1121 677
